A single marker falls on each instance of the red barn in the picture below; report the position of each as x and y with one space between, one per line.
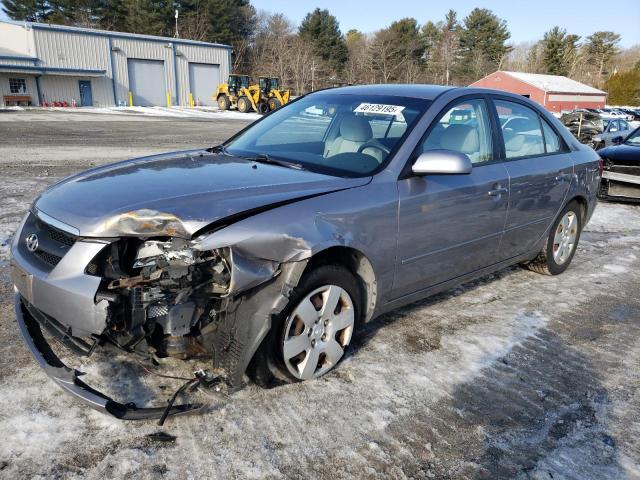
554 92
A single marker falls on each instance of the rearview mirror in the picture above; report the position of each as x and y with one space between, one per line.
442 162
616 140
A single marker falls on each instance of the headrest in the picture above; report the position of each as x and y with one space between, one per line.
355 129
460 138
513 142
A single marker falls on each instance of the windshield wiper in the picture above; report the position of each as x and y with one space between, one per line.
264 158
218 149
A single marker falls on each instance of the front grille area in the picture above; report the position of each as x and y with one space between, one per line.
53 243
47 257
60 236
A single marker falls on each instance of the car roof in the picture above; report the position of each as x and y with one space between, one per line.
427 92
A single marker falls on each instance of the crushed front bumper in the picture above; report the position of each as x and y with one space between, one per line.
68 378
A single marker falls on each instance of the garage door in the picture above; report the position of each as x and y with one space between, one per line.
147 82
203 79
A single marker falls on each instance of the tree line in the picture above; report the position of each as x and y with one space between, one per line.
316 53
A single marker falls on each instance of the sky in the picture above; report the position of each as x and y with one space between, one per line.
527 20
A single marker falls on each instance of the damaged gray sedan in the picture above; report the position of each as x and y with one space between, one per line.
263 254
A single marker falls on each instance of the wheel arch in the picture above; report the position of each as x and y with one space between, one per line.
584 206
359 265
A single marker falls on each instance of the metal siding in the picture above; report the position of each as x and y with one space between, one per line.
203 80
71 50
58 88
29 80
197 54
17 39
147 81
15 61
145 50
68 48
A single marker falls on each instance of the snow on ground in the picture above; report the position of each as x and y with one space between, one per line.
515 375
386 410
175 112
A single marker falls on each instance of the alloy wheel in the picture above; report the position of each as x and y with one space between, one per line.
317 332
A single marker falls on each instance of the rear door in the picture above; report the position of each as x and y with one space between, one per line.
450 225
540 170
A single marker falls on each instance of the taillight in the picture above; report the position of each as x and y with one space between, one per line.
600 166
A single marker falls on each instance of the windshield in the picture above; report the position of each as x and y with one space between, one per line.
337 134
633 139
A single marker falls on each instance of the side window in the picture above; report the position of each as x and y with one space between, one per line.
520 129
613 126
464 128
624 125
552 142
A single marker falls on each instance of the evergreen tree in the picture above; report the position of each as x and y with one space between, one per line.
600 48
229 21
559 51
322 30
28 10
624 88
483 43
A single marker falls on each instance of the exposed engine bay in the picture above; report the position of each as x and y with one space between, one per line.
172 297
161 294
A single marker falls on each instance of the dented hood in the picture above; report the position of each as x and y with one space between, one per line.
177 194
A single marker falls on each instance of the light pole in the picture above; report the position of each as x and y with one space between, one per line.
176 17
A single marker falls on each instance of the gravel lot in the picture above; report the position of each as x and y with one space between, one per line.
515 375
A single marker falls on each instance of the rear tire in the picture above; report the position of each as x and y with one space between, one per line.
323 339
561 244
223 102
244 105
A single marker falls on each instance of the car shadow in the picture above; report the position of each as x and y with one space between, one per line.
364 333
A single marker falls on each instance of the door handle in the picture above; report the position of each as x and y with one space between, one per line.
497 192
561 177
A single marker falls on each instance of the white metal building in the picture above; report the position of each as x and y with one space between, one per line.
55 64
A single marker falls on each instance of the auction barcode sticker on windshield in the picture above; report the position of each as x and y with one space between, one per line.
379 109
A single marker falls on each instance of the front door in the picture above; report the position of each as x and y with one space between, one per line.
541 170
86 96
450 225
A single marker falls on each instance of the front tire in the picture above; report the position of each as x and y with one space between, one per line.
310 336
561 244
244 105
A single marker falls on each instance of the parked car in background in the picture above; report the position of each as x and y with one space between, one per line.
609 113
584 125
621 174
613 129
263 254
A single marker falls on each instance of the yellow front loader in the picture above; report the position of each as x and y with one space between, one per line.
238 93
271 92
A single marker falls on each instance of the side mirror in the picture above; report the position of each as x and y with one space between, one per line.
442 162
617 140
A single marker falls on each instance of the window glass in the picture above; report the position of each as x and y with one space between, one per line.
624 125
520 129
551 139
465 128
17 85
613 126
